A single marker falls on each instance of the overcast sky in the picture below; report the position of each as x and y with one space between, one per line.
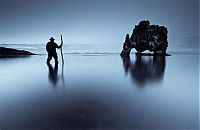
96 22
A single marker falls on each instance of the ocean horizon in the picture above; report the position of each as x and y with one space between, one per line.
86 49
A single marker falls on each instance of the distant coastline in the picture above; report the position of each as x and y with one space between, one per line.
10 52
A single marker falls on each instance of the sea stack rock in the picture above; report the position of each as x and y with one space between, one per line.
146 37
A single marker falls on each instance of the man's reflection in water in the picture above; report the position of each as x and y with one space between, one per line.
145 69
53 73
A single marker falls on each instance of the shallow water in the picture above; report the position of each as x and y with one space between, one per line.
100 91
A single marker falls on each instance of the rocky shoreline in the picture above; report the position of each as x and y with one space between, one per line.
10 52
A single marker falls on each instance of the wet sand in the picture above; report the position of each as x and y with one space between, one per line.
100 91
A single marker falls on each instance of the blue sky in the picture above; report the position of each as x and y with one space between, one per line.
100 23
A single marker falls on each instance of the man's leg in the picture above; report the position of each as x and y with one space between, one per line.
56 58
49 58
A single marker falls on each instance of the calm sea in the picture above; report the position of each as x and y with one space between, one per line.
100 91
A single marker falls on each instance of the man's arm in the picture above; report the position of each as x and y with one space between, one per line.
58 46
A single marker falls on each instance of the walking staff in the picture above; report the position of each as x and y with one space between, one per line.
61 48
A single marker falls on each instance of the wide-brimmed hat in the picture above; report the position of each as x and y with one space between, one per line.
51 39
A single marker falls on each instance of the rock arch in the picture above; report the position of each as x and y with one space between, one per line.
146 37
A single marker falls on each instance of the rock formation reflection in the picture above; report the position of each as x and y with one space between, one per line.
145 69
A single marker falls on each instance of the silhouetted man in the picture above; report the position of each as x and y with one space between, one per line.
51 49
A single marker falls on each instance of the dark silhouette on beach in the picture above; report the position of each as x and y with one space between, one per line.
53 73
51 49
144 70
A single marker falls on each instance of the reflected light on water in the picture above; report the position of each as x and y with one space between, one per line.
92 91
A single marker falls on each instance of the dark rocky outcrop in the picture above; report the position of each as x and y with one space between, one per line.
9 52
146 37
